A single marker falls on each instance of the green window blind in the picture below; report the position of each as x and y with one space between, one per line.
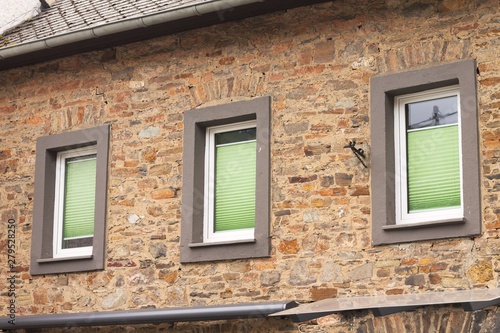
235 176
79 197
433 168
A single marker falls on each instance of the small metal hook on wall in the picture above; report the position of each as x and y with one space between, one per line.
360 154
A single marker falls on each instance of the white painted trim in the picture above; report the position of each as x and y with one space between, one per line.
58 251
209 235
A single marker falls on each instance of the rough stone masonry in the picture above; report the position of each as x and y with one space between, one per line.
315 62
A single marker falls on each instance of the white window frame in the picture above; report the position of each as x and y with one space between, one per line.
209 235
403 216
60 182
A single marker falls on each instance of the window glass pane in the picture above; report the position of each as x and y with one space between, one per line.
235 179
433 154
79 201
434 112
235 136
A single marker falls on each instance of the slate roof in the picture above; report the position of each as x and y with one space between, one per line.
70 27
72 15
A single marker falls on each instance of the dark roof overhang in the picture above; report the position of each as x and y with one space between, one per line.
132 31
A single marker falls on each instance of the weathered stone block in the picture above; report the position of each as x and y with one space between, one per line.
319 293
289 246
300 275
163 194
343 179
115 299
158 250
361 272
269 278
481 272
301 179
149 132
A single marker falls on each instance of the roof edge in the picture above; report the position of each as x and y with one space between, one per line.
102 30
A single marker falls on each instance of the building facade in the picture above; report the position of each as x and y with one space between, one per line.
328 89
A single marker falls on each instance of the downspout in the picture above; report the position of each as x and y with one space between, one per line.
122 26
146 316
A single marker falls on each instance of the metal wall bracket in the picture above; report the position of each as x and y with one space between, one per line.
360 154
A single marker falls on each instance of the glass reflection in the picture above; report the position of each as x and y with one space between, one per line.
434 112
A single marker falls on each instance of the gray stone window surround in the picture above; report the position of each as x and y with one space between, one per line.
195 123
42 261
383 89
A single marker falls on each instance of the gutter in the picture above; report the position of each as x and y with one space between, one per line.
129 24
146 316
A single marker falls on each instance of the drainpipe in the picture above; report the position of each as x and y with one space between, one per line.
170 15
146 316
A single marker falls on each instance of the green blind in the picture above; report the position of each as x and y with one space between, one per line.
79 197
235 176
433 168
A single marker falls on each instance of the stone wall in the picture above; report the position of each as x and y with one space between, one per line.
315 63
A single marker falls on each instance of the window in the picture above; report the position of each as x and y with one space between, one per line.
230 165
226 181
75 202
427 150
70 202
425 169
